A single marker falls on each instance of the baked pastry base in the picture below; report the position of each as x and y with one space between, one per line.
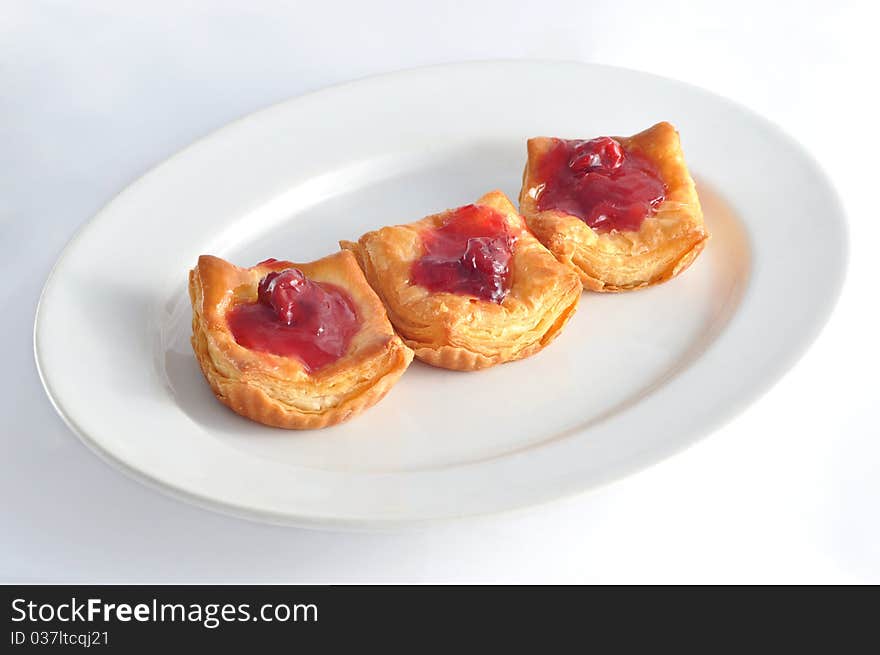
665 245
461 332
279 391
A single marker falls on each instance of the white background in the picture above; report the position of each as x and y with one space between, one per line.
93 94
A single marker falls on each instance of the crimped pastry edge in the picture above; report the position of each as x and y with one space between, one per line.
461 359
678 265
253 403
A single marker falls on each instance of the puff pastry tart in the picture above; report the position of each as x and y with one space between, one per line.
293 345
469 287
622 210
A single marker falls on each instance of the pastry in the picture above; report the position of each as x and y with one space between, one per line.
623 211
293 345
469 287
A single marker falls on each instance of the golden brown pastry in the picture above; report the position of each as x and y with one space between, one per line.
470 287
293 345
623 211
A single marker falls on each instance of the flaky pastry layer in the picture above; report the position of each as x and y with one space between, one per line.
665 245
461 332
279 391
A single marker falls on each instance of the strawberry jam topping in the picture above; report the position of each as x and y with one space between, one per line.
600 182
296 317
469 254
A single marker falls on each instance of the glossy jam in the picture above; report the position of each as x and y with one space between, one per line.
469 255
600 182
296 317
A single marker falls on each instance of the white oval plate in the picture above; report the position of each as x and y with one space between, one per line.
634 378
